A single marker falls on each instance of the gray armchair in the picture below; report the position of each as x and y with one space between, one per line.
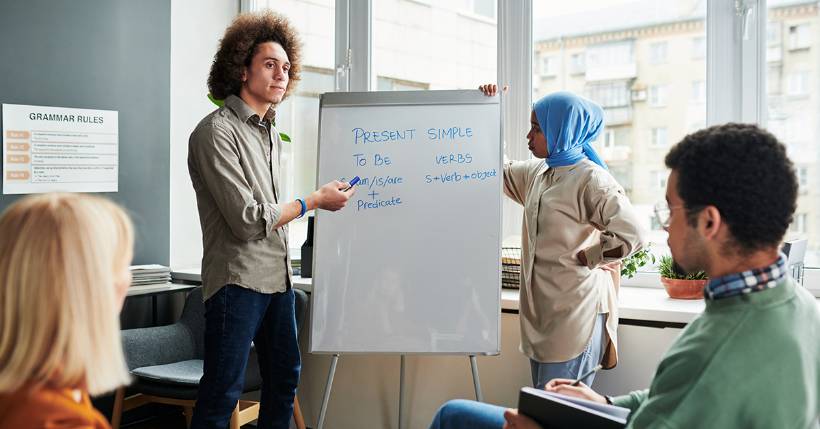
166 363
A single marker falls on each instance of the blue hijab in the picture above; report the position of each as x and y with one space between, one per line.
570 124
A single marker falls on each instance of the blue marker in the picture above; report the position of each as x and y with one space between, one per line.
352 183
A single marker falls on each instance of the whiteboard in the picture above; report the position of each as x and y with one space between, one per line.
412 264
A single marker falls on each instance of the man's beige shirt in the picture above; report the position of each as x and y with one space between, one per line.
566 210
233 160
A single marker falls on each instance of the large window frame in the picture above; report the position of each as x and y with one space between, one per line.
736 45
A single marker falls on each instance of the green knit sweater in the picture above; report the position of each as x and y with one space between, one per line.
749 361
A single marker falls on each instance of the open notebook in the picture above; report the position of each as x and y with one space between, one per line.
554 411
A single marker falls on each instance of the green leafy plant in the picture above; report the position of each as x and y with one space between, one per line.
219 103
630 265
669 269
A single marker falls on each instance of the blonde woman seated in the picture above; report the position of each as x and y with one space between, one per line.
63 277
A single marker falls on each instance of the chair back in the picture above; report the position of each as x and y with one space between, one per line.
193 318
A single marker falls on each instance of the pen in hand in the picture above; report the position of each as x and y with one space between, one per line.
351 184
587 374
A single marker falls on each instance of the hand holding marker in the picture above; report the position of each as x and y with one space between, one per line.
352 183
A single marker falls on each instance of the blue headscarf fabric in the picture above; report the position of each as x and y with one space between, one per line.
570 124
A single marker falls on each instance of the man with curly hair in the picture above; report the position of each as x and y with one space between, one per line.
233 160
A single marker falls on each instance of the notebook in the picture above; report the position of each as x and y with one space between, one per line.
555 411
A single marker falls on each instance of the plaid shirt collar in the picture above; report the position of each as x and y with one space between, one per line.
745 282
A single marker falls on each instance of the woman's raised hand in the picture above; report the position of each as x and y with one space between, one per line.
490 89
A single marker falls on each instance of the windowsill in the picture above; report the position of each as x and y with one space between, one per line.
637 303
642 303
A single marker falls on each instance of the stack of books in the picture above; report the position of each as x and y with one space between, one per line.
144 275
510 267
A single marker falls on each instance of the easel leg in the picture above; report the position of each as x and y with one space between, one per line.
326 398
401 390
476 383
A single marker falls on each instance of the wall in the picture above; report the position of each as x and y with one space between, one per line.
99 54
196 27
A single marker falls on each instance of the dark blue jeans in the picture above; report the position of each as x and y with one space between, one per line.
235 316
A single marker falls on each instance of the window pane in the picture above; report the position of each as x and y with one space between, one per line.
647 70
793 58
434 45
298 116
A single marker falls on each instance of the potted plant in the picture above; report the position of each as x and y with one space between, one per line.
677 283
630 264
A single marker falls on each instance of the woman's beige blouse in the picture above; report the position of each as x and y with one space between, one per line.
566 210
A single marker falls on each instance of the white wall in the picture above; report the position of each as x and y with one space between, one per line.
196 27
365 391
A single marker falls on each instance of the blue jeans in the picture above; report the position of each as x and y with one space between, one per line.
463 414
577 366
234 317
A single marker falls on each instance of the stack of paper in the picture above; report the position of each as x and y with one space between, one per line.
150 275
510 267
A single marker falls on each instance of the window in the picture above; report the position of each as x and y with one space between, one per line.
657 96
773 33
797 83
658 136
484 8
699 91
621 175
799 36
389 84
435 45
610 54
298 115
792 108
577 63
657 178
609 139
612 94
698 48
657 52
803 178
774 46
549 67
798 226
774 82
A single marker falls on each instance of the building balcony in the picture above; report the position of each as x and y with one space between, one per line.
618 115
616 153
612 72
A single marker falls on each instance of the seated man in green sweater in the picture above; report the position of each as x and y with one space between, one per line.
752 359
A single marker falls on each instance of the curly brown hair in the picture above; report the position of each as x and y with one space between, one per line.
238 46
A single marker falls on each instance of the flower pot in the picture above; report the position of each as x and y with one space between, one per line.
684 289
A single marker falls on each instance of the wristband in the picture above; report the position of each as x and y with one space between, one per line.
304 207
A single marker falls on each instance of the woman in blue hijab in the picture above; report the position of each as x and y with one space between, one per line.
578 224
570 124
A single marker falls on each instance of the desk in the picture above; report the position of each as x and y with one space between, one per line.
193 275
155 290
645 306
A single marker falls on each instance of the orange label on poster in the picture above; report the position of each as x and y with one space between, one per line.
18 159
17 134
18 146
17 175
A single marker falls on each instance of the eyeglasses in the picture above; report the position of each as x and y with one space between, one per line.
663 213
